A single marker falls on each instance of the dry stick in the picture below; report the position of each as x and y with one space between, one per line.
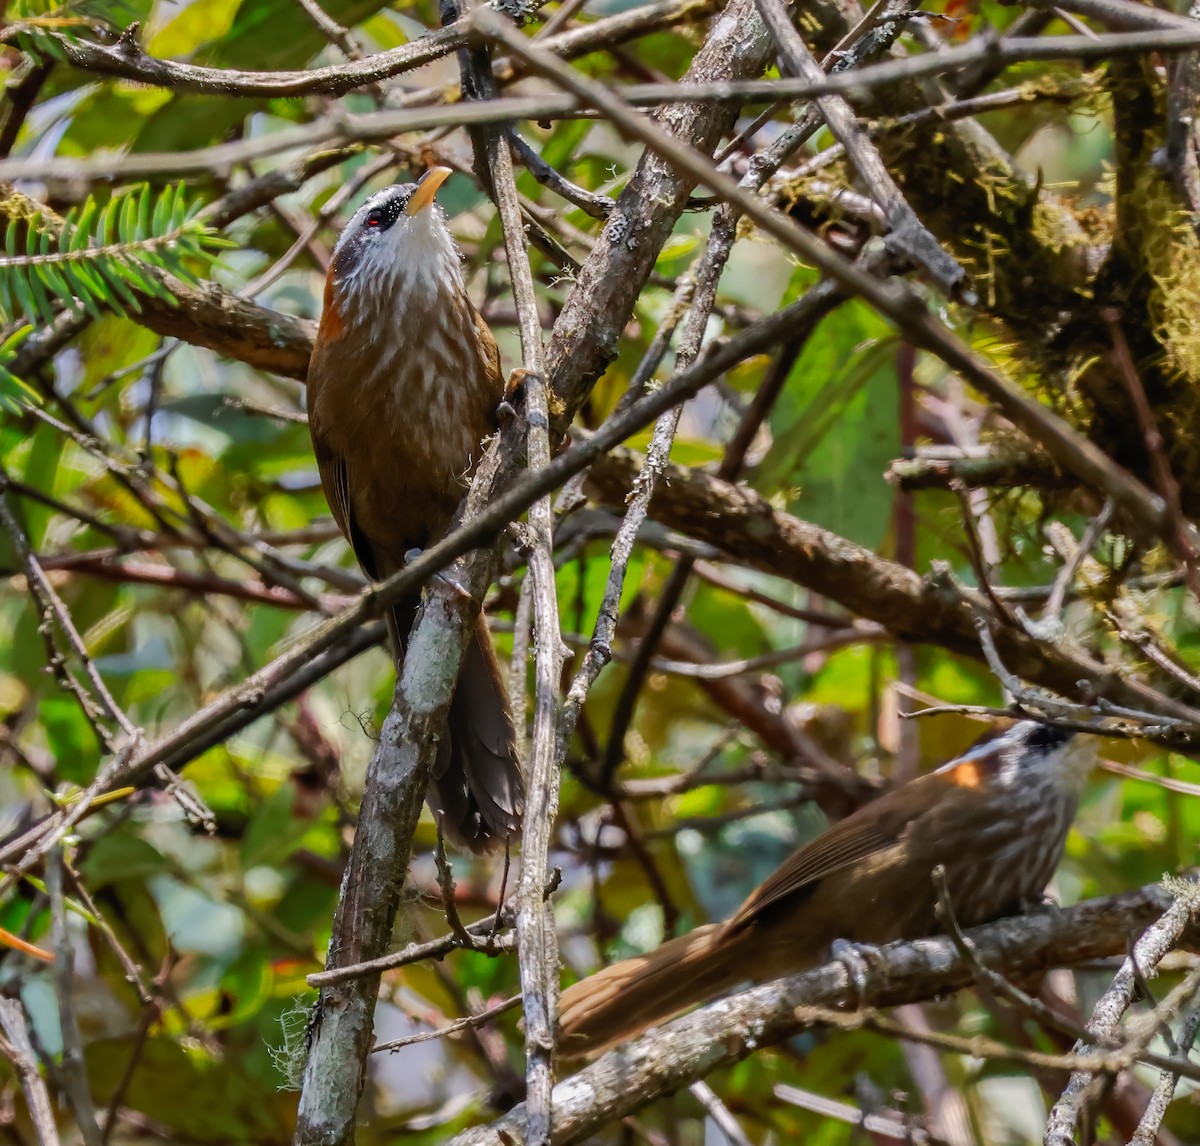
691 1047
133 973
896 302
495 942
1049 626
1150 649
537 941
536 938
438 948
719 1113
106 566
909 236
1146 1133
128 61
1120 14
17 1047
518 671
947 111
722 236
886 1125
599 650
397 777
52 605
445 878
73 1066
469 1023
1147 953
1110 1063
989 980
342 130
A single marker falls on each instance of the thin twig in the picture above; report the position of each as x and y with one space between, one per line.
1106 1014
471 1022
17 1047
537 941
719 1113
73 1065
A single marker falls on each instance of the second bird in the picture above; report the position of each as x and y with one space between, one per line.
403 387
995 818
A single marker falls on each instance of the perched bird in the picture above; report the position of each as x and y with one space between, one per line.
403 387
996 818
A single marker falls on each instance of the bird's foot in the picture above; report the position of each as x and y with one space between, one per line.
445 576
506 412
855 957
1040 905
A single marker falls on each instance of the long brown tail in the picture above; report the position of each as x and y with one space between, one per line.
477 790
622 1000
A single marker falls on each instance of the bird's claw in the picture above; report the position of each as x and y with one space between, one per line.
855 958
1040 905
445 576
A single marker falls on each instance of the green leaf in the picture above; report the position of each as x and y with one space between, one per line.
120 857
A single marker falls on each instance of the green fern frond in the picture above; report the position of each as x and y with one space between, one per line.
102 257
13 392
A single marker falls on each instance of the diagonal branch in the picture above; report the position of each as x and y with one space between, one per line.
677 1053
909 235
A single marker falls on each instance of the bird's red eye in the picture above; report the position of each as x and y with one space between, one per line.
374 219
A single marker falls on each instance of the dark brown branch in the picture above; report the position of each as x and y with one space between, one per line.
914 608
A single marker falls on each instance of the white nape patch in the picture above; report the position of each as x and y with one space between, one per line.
410 263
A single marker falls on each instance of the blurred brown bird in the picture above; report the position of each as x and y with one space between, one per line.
996 818
403 387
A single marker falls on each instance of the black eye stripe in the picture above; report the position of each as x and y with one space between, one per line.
388 208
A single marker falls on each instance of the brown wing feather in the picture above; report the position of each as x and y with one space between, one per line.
489 350
335 480
871 829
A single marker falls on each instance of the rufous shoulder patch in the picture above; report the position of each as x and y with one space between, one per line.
968 774
333 326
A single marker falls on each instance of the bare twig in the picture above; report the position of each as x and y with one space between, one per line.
1156 1109
537 941
17 1047
691 1047
913 241
72 1066
471 1022
1157 940
719 1113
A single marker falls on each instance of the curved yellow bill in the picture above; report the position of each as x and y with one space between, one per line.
427 187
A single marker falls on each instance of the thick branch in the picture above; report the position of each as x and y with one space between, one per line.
678 1053
922 610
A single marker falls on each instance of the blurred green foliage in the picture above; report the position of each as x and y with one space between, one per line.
194 468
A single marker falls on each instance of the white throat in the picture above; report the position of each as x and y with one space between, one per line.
407 266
